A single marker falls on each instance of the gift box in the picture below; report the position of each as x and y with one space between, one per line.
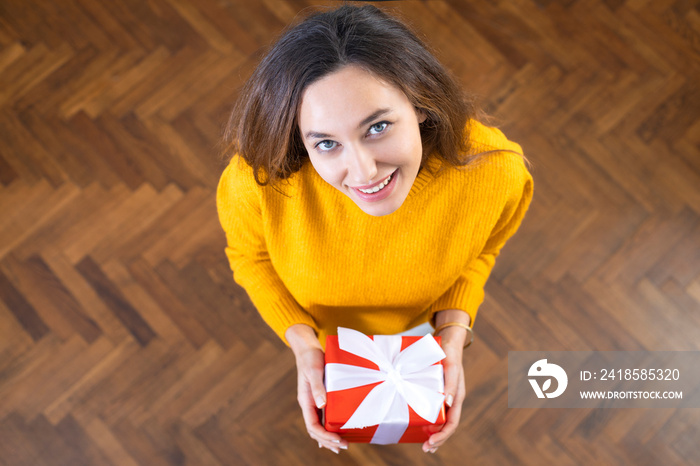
384 389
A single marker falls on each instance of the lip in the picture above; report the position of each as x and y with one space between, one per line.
379 195
370 186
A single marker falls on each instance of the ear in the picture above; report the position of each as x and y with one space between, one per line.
422 116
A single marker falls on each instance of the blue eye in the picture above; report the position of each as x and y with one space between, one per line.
378 128
326 145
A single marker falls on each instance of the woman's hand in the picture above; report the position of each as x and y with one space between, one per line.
453 340
311 393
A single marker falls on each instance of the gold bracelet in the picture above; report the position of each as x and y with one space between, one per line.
457 324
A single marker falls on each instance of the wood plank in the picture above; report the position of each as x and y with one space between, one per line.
125 341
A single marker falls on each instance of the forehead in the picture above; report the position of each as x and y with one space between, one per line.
344 98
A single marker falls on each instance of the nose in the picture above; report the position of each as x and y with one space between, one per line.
362 168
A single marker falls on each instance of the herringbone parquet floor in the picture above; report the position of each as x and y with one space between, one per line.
123 339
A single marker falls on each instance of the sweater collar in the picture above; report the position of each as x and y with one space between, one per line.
426 174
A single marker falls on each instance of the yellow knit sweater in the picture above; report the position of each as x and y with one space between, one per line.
312 256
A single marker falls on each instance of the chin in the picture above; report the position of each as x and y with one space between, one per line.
378 210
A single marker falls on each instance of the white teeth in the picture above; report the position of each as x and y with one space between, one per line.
377 188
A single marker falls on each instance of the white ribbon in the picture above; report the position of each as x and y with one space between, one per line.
409 378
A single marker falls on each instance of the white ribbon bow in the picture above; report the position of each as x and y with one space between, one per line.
409 378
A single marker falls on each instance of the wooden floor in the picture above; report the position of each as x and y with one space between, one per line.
123 339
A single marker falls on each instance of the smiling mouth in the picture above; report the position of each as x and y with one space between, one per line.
379 191
378 187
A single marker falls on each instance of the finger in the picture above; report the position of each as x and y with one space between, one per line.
324 442
428 448
452 366
328 438
334 448
316 430
318 389
439 438
311 374
311 418
334 445
452 373
314 427
453 416
310 415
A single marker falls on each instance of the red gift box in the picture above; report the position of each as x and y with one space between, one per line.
366 379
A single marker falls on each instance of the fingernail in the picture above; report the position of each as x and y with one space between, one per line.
319 445
433 450
335 450
320 402
344 447
449 400
336 441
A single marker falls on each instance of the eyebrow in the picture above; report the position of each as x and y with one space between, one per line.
366 121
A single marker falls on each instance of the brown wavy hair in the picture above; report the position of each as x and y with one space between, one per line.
264 129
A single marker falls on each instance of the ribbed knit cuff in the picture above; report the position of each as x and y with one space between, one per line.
277 306
283 313
463 295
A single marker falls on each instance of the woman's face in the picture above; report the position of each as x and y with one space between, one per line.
362 137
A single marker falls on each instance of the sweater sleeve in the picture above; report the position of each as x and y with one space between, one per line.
238 203
467 293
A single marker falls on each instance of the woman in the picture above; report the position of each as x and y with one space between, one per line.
364 194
